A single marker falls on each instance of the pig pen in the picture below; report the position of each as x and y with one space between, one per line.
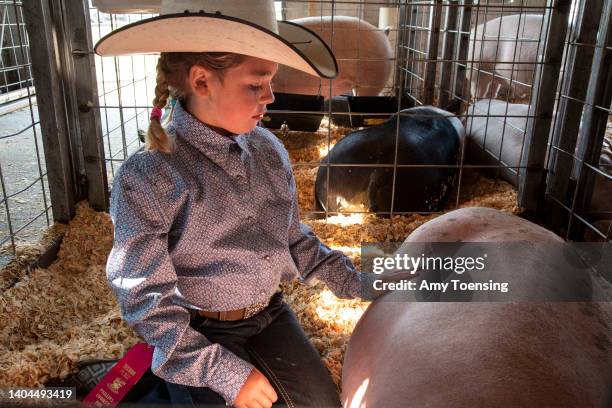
65 315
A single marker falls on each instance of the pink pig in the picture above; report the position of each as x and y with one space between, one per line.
502 54
364 54
483 354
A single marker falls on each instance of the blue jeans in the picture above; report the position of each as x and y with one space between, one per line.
272 341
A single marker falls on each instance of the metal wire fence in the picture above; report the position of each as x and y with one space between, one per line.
14 53
25 208
579 183
535 97
515 71
124 87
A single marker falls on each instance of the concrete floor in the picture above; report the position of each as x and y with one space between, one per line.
21 164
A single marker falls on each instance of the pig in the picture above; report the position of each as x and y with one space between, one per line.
497 354
486 124
427 136
364 53
501 56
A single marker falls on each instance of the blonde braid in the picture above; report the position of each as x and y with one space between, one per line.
157 138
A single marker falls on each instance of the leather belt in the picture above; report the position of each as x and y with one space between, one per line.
233 315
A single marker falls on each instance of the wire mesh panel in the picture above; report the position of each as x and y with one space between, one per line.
493 63
125 88
373 176
579 182
25 207
488 68
15 64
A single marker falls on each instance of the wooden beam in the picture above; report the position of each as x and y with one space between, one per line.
80 58
48 80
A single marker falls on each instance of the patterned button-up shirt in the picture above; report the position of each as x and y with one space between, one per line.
212 226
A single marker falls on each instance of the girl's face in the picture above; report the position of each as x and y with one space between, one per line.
238 101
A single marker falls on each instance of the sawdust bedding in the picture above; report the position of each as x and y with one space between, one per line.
64 315
26 255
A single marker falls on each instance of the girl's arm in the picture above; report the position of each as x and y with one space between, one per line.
315 260
144 281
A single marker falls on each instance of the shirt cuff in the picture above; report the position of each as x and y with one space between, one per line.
366 286
229 376
225 376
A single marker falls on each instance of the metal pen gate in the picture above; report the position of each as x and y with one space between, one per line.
89 126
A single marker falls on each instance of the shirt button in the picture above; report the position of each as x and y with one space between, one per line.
263 292
267 257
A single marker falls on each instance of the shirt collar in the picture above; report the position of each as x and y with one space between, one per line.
201 136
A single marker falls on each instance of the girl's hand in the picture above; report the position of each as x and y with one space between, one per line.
256 392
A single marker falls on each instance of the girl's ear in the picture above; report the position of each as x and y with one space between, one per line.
199 79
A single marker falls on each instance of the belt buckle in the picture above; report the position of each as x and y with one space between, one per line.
247 312
254 309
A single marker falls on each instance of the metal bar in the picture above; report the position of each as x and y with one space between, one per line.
329 134
104 93
133 89
14 47
19 131
518 45
119 98
24 41
594 121
8 212
462 50
2 25
89 122
36 180
432 54
448 54
400 51
2 64
396 145
44 49
411 41
582 220
44 211
578 61
532 176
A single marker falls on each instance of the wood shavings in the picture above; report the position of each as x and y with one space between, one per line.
26 255
310 147
66 313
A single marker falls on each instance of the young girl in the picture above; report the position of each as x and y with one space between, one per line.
206 216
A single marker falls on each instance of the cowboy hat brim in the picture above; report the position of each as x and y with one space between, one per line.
294 46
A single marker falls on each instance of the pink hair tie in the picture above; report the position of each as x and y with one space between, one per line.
156 113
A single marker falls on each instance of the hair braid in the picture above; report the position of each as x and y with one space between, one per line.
157 138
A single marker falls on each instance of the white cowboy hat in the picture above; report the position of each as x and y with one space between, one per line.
238 26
